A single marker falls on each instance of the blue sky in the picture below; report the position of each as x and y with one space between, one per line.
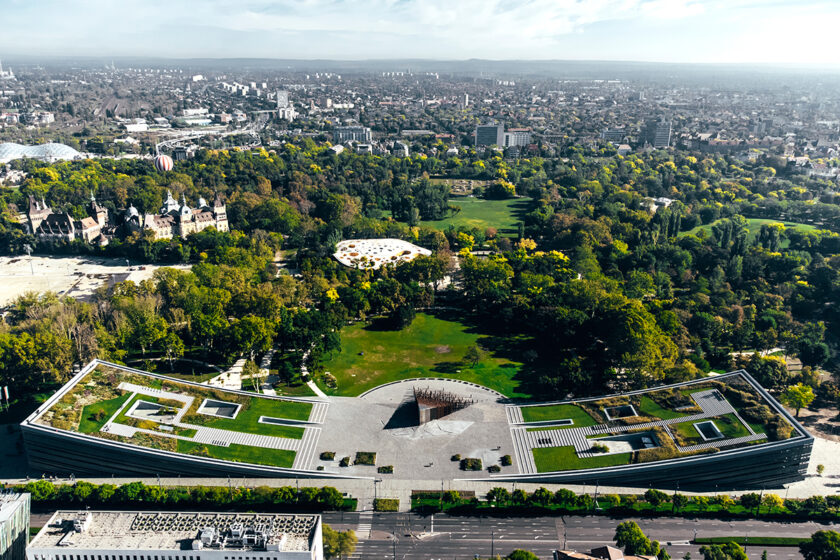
769 31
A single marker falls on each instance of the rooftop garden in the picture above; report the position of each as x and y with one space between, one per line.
622 428
170 421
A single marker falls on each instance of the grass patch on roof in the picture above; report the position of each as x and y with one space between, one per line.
239 453
549 459
558 412
95 415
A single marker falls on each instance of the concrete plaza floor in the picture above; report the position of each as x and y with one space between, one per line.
383 421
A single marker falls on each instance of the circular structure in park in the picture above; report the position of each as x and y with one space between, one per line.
163 163
374 253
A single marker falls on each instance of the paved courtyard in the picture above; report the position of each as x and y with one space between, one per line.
382 421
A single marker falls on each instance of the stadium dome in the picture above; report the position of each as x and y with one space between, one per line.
44 152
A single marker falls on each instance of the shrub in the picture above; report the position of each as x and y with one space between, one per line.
471 465
506 461
599 448
387 469
494 468
385 504
328 456
655 497
451 496
345 462
456 457
365 458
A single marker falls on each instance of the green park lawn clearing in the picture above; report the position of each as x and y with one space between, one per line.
649 407
240 453
558 412
429 347
753 227
504 215
89 424
549 459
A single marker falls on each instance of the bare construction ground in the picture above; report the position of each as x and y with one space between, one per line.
383 422
77 277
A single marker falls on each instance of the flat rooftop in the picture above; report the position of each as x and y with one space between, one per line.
10 502
133 530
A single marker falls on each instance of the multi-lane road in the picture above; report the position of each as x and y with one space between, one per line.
466 537
414 537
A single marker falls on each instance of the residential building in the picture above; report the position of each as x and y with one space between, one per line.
400 149
517 137
343 134
614 135
14 525
147 535
657 133
600 553
490 134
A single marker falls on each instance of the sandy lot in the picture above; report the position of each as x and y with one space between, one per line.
77 277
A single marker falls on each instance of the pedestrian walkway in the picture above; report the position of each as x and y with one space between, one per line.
306 455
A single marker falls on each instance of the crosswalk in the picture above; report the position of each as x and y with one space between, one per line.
365 523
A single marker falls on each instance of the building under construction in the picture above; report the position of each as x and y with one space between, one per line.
432 404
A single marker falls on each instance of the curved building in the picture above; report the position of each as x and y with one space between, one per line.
51 152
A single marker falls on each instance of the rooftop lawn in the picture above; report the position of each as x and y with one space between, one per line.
248 419
504 215
558 412
240 453
648 407
549 459
429 347
728 424
89 424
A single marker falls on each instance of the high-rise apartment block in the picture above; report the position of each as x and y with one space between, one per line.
14 525
490 134
343 134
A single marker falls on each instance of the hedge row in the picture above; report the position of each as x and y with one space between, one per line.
652 503
137 494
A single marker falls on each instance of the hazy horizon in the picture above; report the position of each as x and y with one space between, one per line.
773 32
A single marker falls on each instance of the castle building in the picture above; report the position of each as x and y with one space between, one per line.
174 219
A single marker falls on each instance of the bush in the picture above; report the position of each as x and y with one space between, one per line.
328 456
494 468
387 469
506 461
471 465
385 504
456 457
599 448
345 462
365 458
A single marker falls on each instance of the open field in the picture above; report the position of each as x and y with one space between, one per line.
77 277
753 227
504 215
429 347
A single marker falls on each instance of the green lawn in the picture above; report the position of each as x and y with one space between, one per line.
549 459
504 215
728 424
240 453
753 227
649 407
248 419
580 417
429 347
89 425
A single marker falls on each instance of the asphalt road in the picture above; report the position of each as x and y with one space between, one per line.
465 537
